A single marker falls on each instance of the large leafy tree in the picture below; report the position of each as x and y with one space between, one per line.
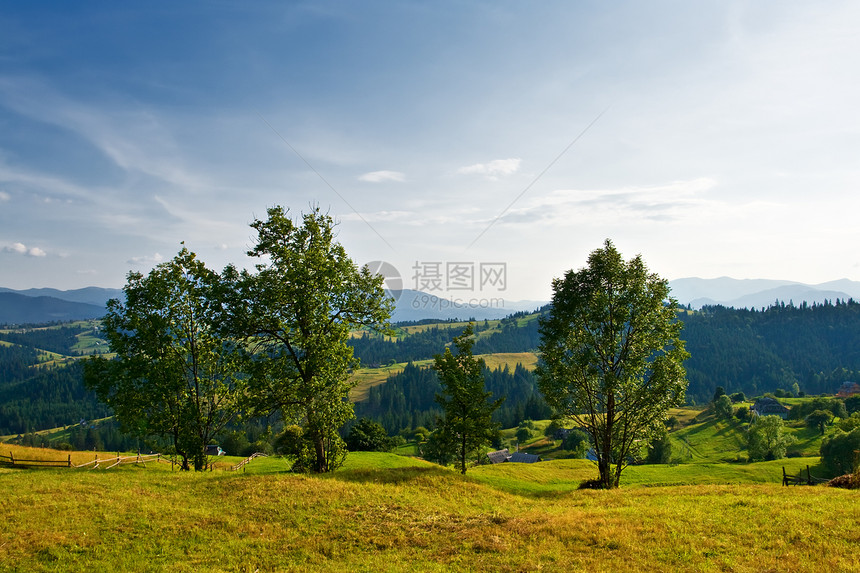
611 355
467 422
766 439
296 313
173 375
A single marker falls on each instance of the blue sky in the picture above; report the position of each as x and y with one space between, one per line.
714 138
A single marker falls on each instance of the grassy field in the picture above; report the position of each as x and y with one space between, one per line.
383 512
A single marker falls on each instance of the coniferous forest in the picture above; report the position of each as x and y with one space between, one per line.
788 348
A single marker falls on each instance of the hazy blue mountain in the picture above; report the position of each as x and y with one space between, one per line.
416 305
89 295
21 309
758 293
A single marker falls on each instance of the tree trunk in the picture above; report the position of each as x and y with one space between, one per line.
319 448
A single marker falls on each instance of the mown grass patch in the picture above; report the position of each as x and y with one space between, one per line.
366 378
510 359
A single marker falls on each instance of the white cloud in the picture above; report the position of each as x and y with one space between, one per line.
146 259
379 216
495 168
382 176
4 196
22 249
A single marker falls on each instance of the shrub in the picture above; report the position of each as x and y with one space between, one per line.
766 438
523 434
660 448
742 413
577 442
368 436
837 451
723 407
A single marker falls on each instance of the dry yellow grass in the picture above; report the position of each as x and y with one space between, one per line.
414 519
510 359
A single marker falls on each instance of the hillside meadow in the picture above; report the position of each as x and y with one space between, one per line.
383 512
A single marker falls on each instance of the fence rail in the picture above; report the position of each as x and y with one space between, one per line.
241 465
799 479
11 460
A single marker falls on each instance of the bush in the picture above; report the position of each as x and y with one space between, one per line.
738 397
723 407
660 448
832 405
577 442
552 428
523 434
819 419
837 452
742 413
368 436
850 423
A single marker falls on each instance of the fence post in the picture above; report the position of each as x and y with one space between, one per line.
70 460
12 458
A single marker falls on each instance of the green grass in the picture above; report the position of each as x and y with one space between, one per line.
388 513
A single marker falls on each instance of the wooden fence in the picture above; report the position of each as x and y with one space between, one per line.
241 465
109 462
12 461
799 479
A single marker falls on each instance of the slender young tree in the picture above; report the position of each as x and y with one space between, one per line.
467 423
174 375
611 355
296 313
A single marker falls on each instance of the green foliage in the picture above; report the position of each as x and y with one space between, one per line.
767 439
467 423
660 448
296 314
803 409
738 397
839 452
723 407
852 404
523 434
819 419
850 423
368 436
612 355
742 413
577 443
439 448
174 375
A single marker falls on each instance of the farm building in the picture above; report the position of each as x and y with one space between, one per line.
767 406
848 389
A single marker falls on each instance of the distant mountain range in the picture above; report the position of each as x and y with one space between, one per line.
758 293
40 305
22 309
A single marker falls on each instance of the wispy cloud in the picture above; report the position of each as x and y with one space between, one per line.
380 216
153 259
4 196
670 202
493 169
22 249
382 176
